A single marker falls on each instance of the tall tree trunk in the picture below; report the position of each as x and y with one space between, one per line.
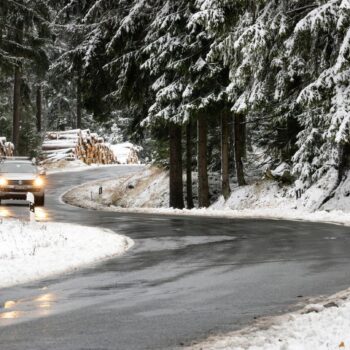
38 108
17 104
17 101
203 186
176 181
190 204
225 177
79 99
239 131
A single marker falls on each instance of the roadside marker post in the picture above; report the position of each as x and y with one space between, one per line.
31 200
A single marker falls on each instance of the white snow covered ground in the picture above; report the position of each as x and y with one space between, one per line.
76 166
147 188
321 326
31 251
147 192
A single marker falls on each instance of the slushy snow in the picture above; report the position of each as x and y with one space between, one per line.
31 251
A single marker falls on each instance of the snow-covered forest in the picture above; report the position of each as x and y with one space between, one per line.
201 84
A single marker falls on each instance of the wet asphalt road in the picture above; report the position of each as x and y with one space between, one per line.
185 278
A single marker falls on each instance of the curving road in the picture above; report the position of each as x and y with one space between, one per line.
185 278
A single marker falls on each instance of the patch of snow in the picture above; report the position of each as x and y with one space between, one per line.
281 169
148 188
318 326
31 251
76 166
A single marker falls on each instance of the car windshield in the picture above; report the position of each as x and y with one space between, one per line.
12 167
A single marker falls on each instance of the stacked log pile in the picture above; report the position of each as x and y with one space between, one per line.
126 153
76 144
6 148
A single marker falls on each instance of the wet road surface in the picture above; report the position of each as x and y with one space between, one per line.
185 278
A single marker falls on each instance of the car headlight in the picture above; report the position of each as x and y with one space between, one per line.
38 182
3 182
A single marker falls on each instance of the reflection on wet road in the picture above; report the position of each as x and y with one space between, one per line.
24 309
20 210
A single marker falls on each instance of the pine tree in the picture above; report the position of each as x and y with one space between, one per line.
24 33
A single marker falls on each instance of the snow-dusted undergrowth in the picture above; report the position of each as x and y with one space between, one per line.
31 251
147 192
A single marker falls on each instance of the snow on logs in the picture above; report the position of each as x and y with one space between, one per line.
76 144
6 148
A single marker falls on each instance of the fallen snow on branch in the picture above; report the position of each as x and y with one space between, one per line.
31 251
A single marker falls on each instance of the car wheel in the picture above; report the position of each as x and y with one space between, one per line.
39 201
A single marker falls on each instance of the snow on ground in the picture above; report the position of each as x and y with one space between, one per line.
75 166
65 165
31 251
148 188
147 192
321 326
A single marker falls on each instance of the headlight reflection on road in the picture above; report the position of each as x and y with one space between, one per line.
9 304
41 214
10 315
26 308
45 301
4 213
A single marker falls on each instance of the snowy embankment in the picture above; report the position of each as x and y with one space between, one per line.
147 192
31 251
321 326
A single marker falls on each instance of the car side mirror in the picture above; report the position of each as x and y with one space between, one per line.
42 172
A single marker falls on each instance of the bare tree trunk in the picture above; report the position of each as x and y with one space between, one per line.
225 177
239 131
190 204
79 99
17 104
176 181
38 108
17 101
203 186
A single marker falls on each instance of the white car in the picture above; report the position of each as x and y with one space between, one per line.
18 176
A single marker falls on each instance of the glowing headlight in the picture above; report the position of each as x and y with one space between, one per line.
38 182
3 181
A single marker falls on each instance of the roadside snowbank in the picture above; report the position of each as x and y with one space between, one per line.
65 165
31 251
147 192
147 188
321 326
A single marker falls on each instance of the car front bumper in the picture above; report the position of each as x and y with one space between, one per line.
19 192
